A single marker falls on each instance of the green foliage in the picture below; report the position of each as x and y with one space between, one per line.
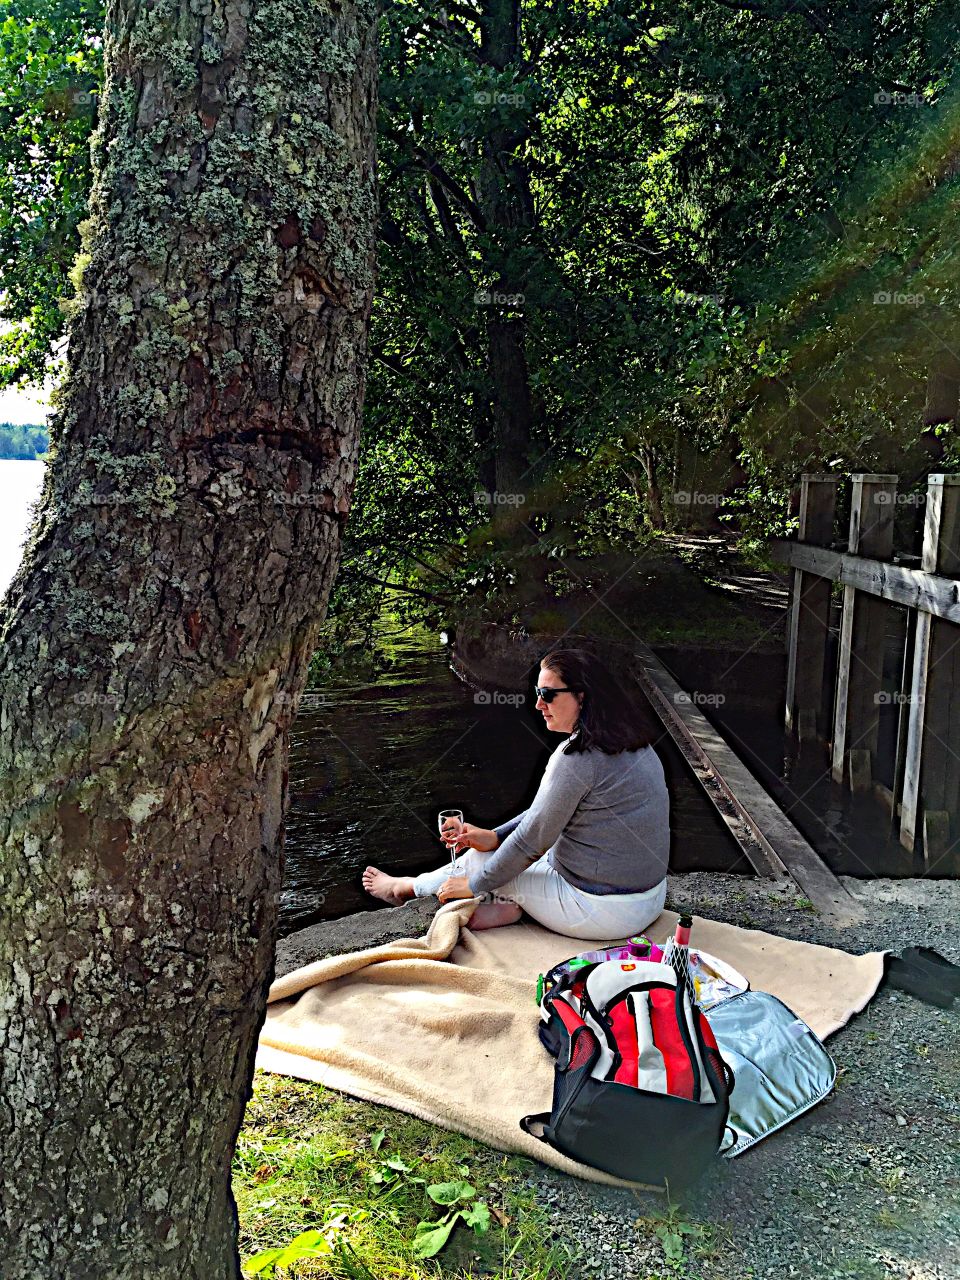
326 1185
682 218
695 196
25 442
50 73
308 1244
430 1237
676 1234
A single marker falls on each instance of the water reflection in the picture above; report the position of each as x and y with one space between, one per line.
373 761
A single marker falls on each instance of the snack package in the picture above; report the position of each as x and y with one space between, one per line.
713 979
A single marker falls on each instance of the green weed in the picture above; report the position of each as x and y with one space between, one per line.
327 1186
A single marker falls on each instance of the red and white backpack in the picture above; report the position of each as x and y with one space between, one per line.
640 1088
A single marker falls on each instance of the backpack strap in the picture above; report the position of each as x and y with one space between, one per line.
541 1119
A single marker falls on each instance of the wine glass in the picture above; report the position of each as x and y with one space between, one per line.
443 817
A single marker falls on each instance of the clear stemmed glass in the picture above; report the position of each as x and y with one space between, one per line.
443 817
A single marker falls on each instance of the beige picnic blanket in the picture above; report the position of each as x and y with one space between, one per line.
445 1026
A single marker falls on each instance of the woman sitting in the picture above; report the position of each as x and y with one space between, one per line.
589 857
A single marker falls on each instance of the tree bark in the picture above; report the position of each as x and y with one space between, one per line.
654 495
506 203
156 639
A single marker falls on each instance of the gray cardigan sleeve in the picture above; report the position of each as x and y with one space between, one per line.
506 827
565 782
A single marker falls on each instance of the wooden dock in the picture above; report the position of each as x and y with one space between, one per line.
771 842
879 593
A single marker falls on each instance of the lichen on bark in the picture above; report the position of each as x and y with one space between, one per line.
157 636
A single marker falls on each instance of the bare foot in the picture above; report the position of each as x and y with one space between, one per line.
392 889
491 915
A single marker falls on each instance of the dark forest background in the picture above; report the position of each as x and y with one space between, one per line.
640 265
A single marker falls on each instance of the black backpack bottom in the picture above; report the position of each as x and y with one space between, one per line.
635 1135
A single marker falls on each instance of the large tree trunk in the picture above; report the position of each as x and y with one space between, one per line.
507 206
156 640
654 494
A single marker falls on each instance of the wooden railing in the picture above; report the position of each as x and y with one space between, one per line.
925 796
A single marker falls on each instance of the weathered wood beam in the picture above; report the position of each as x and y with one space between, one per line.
856 713
809 622
915 588
779 849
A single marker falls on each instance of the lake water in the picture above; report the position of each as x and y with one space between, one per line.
373 761
19 488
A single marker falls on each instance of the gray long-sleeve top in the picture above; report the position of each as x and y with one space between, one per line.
600 819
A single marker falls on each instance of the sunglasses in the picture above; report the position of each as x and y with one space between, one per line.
548 695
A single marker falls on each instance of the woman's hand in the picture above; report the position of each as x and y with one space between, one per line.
455 887
469 837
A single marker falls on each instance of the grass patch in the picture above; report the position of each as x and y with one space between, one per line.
308 1158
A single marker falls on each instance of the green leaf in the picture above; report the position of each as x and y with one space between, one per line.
262 1264
376 1142
478 1217
397 1165
430 1237
450 1192
672 1242
308 1244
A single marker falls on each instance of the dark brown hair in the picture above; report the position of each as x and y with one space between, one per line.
613 714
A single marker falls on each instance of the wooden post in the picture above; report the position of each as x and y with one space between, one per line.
809 623
931 782
873 504
903 719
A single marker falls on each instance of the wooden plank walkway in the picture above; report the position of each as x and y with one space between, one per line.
775 848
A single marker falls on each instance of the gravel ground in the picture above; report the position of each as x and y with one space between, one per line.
865 1185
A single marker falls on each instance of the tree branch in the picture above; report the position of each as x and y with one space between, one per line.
396 586
436 170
